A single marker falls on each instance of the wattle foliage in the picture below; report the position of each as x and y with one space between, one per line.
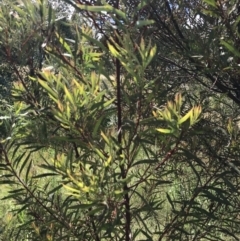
117 126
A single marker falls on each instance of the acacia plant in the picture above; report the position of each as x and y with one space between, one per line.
95 147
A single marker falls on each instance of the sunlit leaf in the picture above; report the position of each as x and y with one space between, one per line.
47 88
165 131
230 47
186 117
64 44
141 23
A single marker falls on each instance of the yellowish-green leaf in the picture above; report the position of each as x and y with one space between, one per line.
105 8
73 190
196 111
60 106
54 99
47 88
155 114
186 117
80 184
79 86
95 56
142 23
105 138
117 192
57 163
108 162
165 131
69 96
142 4
109 102
142 45
64 44
100 153
19 106
170 104
84 188
114 52
178 101
152 52
166 114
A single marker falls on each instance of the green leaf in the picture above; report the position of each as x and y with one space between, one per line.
142 23
96 210
105 8
15 195
29 168
213 197
186 117
202 211
64 44
49 15
55 189
94 41
191 157
24 163
101 155
113 50
69 96
83 206
18 159
49 174
47 88
145 161
165 131
230 47
229 184
142 4
7 182
212 3
108 103
170 201
162 182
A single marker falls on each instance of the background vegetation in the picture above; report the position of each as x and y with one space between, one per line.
119 120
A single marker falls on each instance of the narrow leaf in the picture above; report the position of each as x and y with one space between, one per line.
230 47
165 131
142 23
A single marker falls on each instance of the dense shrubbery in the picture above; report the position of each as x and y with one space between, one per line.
117 126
